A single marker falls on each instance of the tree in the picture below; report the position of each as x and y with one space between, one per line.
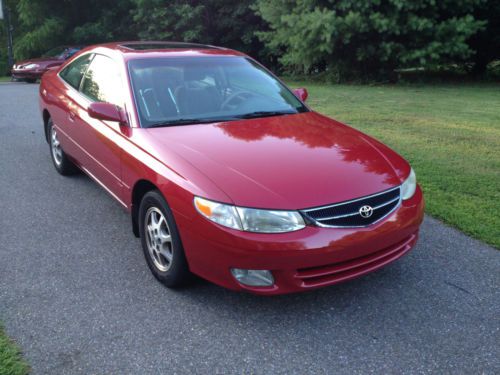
227 23
344 38
47 23
11 6
486 43
369 38
44 24
111 21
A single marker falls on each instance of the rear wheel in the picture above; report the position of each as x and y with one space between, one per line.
61 162
161 242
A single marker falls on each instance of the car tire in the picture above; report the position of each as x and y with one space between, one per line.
161 242
30 80
61 161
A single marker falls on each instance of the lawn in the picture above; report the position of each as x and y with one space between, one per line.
11 362
4 79
449 133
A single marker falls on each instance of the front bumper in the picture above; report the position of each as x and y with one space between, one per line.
306 259
27 74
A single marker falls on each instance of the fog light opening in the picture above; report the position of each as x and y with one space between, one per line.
253 277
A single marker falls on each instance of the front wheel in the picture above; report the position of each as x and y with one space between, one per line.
161 242
61 162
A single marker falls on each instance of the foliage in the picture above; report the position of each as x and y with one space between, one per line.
369 38
10 359
44 24
343 39
223 22
486 43
113 22
3 35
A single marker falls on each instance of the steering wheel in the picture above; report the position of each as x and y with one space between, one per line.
241 95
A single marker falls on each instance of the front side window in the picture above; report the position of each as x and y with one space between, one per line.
73 72
102 81
183 90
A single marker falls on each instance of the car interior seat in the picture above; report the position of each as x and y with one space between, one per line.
196 96
155 94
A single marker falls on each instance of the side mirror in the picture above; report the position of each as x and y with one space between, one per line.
301 94
107 112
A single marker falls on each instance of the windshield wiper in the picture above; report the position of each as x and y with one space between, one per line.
264 114
194 121
188 121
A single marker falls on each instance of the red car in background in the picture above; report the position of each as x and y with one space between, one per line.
226 172
32 69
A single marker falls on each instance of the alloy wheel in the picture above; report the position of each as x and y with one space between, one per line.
158 239
55 146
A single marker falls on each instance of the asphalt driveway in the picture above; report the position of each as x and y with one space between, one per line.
77 296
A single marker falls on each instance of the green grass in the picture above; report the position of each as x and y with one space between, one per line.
11 362
449 133
4 79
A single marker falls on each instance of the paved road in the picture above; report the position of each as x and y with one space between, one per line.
76 294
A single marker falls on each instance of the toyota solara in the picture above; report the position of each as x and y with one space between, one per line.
226 173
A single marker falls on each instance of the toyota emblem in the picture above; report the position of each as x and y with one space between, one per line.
366 211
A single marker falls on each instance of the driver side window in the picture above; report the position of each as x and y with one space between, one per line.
102 81
73 73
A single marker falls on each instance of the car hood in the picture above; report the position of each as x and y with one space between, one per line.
42 61
285 162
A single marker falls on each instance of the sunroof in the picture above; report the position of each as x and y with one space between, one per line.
165 45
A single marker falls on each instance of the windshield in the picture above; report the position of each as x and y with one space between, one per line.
61 52
54 52
188 90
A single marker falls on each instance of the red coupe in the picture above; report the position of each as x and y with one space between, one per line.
226 173
33 69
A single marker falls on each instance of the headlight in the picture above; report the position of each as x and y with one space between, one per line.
219 213
409 186
249 219
254 220
31 66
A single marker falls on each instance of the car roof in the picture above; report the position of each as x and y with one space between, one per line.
69 46
147 46
153 49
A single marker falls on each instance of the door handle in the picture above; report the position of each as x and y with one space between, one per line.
71 116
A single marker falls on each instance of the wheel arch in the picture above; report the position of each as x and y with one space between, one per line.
46 116
140 189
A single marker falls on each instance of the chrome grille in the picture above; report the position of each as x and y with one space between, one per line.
347 214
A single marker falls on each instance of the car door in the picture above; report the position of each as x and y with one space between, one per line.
68 103
99 140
